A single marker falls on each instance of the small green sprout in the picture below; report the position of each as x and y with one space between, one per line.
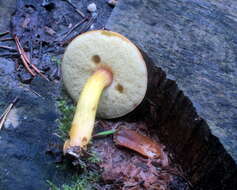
105 133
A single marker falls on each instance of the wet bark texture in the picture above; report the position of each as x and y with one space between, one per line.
194 42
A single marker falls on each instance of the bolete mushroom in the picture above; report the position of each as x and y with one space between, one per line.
106 66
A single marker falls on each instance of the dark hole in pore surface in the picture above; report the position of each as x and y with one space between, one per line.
96 59
119 88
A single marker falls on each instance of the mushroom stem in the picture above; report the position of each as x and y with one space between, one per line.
84 118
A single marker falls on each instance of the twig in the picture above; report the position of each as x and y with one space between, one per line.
6 39
90 22
8 48
34 92
9 55
6 112
35 68
4 33
23 55
39 72
26 60
84 29
76 9
28 88
74 27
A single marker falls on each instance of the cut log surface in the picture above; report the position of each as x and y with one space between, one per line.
195 44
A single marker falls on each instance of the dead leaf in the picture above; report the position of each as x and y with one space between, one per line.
138 143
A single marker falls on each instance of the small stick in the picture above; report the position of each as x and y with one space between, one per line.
9 55
34 67
6 39
31 90
76 9
84 29
8 48
39 72
23 56
4 33
26 60
36 93
6 112
74 27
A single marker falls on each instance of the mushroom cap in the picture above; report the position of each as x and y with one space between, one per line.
94 49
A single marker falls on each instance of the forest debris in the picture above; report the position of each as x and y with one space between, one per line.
75 8
6 112
23 56
84 28
126 170
74 27
39 72
4 33
9 55
28 88
138 143
92 7
28 65
49 30
132 171
24 77
56 73
6 39
8 48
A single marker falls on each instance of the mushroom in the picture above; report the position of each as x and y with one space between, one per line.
101 69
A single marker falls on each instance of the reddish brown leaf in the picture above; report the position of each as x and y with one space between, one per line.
138 143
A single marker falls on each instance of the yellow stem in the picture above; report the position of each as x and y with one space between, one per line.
84 118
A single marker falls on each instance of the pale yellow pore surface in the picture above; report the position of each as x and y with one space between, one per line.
94 49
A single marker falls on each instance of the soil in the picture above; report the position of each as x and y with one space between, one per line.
124 168
46 27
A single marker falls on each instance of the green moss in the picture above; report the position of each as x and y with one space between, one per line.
67 110
56 60
79 182
94 158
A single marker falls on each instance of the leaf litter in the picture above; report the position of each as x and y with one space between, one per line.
133 159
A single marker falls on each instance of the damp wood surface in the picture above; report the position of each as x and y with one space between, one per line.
193 45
